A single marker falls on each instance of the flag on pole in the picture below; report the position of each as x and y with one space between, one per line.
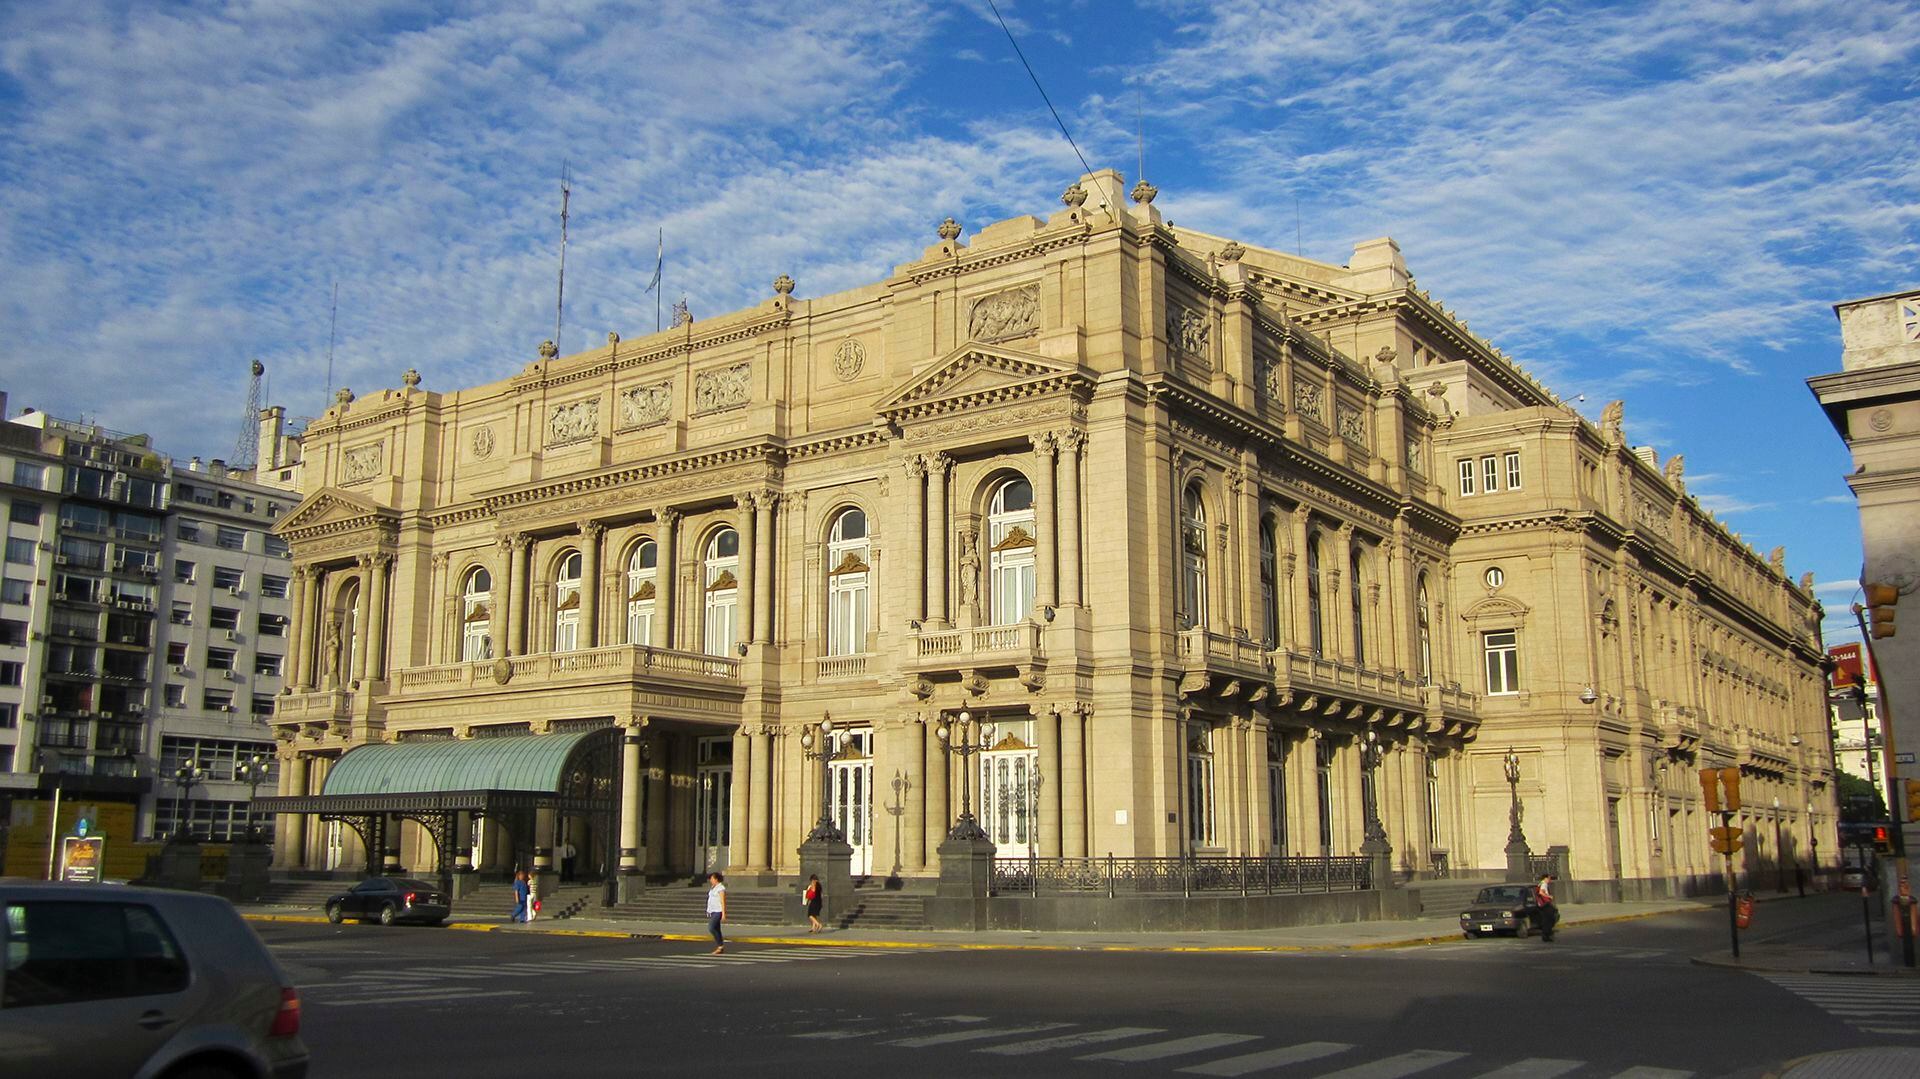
659 257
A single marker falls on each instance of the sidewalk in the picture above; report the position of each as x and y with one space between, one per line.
1353 936
1835 945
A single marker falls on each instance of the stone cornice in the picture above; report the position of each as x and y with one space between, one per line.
1042 241
1419 308
731 329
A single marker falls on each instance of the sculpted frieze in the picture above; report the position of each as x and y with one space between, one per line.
1306 401
1005 315
1353 427
1188 331
645 406
1272 384
722 388
1413 459
363 463
997 418
1652 518
574 422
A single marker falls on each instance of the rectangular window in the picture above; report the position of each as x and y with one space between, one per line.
1503 661
183 572
273 587
233 539
1513 472
187 530
217 700
13 591
1201 826
277 547
26 475
23 512
182 614
20 551
220 659
273 625
262 704
9 717
9 673
225 618
13 631
1277 806
266 664
226 577
176 695
1323 791
1489 475
1466 476
176 652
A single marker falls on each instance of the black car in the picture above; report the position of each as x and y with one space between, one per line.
390 900
1502 908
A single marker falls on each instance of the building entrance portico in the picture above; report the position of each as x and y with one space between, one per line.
1009 793
851 796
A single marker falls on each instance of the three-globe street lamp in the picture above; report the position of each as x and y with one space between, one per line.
1515 837
252 772
816 743
188 774
959 738
1372 748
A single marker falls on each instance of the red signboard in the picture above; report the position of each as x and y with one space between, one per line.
1848 660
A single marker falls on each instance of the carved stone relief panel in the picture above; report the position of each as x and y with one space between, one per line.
644 406
1651 517
1271 386
574 422
1188 331
1413 459
1005 315
722 388
1306 401
1353 426
363 463
848 359
482 443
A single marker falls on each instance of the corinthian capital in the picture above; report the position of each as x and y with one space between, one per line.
668 519
1072 441
915 465
1046 444
939 464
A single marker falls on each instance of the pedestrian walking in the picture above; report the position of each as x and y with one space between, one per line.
522 896
567 855
813 904
1545 914
717 910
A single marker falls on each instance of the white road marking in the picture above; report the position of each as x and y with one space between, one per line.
422 998
1394 1067
1198 1043
975 1035
1269 1058
1652 1073
1534 1068
1069 1041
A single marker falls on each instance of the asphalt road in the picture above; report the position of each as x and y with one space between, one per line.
1615 1000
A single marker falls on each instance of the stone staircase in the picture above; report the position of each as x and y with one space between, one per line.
301 893
1447 898
885 910
566 901
688 904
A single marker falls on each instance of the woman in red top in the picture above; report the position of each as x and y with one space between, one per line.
813 904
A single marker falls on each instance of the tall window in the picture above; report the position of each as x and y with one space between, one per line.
566 604
1423 625
1269 574
1277 794
1433 802
1466 476
1513 471
849 583
349 629
1323 791
1010 542
1489 474
1503 661
1193 559
643 577
1315 638
722 580
1202 829
1357 593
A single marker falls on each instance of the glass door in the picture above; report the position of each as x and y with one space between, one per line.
851 773
713 793
1009 792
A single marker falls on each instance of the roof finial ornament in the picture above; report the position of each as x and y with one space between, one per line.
343 396
1074 196
681 315
1233 252
783 285
949 230
548 350
411 380
1143 193
613 337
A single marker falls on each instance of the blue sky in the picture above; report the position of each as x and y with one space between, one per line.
1651 201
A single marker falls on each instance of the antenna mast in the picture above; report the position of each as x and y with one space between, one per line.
333 319
246 450
560 301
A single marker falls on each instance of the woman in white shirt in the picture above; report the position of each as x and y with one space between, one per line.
717 910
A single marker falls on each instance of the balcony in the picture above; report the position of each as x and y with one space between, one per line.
619 663
1224 663
838 668
1231 666
1017 645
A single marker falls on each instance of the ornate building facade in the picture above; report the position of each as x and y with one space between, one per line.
1236 552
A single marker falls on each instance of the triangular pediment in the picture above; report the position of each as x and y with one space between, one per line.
330 506
979 372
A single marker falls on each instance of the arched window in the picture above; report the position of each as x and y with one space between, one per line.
849 582
1010 553
1316 640
1357 592
722 583
1423 624
349 616
643 577
1269 591
1193 560
566 604
476 616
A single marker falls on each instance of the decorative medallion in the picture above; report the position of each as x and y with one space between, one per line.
644 406
1005 315
848 359
363 463
576 422
483 443
724 388
1881 419
502 670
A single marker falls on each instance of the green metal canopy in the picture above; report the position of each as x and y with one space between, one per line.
528 762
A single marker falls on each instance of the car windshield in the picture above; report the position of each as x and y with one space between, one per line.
415 885
1509 893
376 885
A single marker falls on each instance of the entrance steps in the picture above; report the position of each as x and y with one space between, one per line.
301 893
566 901
1447 898
688 903
885 910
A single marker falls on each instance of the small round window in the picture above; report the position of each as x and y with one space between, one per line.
1496 577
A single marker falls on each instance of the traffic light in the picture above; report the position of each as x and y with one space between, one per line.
1730 779
1913 799
1713 781
1881 601
1882 839
1726 839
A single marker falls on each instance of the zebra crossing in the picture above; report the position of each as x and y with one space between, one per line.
1244 1054
1530 951
1867 1004
431 984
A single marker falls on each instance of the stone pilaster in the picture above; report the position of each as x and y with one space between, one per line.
666 579
938 531
1046 546
592 535
1069 522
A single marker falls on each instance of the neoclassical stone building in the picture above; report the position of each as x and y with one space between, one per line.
1190 523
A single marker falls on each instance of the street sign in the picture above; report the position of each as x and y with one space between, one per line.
81 858
1903 758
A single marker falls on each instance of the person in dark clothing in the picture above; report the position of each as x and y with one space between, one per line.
814 898
1545 914
717 910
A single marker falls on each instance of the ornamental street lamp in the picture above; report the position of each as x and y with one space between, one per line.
816 743
961 740
187 775
252 772
1371 750
1519 866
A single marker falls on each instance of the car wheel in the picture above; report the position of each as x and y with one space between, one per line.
387 914
1468 935
193 1070
1523 930
336 913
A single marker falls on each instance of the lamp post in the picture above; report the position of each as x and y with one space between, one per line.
959 738
1518 856
1378 851
252 772
816 743
1779 852
188 774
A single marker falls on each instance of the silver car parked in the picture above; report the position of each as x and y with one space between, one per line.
100 980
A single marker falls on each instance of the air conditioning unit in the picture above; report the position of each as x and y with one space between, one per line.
45 546
36 635
233 635
226 708
59 560
233 676
233 590
179 668
126 639
46 698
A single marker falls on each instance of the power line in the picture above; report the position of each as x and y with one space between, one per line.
1043 96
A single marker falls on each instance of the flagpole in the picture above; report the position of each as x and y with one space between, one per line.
659 262
560 301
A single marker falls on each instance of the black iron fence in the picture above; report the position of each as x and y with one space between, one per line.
1554 862
1188 875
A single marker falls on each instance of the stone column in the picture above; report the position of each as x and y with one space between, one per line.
915 545
513 605
749 588
1069 523
666 582
300 636
655 774
913 739
1073 784
294 850
763 568
1341 606
760 800
939 815
1300 638
937 532
1244 496
390 841
1047 731
1046 546
377 624
591 534
362 622
544 876
630 808
739 813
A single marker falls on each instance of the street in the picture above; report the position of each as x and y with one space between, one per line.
1620 999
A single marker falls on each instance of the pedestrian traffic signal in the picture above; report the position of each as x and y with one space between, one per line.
1714 781
1882 839
1881 600
1913 799
1726 839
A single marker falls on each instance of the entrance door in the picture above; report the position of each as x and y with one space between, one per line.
336 843
713 793
851 771
1009 794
